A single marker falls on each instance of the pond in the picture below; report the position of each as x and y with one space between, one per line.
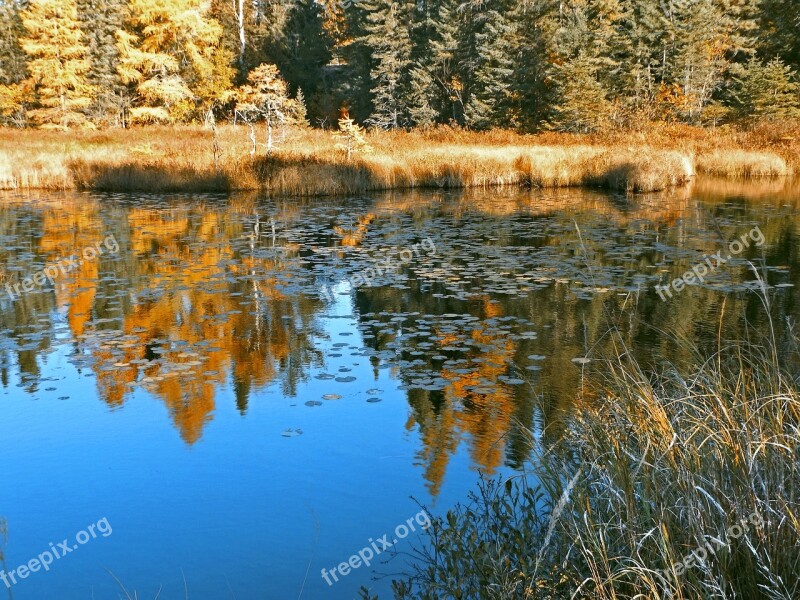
223 396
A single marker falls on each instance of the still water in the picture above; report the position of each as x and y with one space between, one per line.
239 392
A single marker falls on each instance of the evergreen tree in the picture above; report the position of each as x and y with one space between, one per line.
353 58
421 112
250 29
100 21
421 96
468 57
446 96
584 64
533 69
490 65
643 47
302 52
702 52
741 21
58 63
390 43
768 91
578 65
583 105
779 24
12 64
302 108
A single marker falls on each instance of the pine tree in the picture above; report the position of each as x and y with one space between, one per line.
779 24
421 91
390 43
584 61
13 60
701 56
353 55
583 105
58 63
302 109
768 91
250 28
537 25
643 45
491 66
420 96
100 21
442 64
303 50
468 54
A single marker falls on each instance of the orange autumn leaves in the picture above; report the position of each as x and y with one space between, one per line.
484 417
189 307
186 328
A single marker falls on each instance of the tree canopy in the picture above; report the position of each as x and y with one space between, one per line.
529 65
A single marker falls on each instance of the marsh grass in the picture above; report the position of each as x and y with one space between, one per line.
740 164
307 162
666 463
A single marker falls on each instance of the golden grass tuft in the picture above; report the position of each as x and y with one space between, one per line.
646 170
146 177
741 164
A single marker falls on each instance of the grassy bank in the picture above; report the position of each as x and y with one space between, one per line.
678 485
308 162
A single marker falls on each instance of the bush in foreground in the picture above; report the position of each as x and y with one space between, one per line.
667 486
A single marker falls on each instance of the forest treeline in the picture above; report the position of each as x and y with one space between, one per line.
581 66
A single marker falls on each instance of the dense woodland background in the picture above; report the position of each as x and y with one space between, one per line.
579 66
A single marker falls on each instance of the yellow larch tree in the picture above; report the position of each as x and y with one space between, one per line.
265 95
173 55
57 64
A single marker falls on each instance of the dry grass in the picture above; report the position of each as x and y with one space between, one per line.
307 162
740 164
652 471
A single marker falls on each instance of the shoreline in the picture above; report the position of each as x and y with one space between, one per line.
307 162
